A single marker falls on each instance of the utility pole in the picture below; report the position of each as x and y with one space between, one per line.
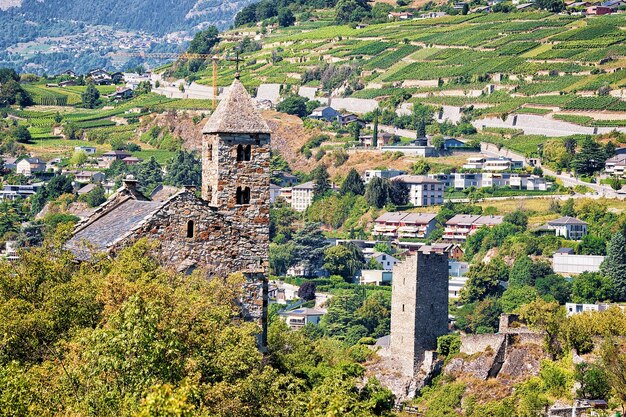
215 58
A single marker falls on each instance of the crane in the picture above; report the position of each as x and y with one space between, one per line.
187 56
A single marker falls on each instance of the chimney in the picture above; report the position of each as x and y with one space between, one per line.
130 183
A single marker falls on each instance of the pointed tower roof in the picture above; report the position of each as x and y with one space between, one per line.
236 113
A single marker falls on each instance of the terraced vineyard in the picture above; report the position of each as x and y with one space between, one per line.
534 58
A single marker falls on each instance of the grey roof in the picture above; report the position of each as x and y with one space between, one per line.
87 188
464 219
304 312
111 227
236 113
310 185
565 250
565 220
416 179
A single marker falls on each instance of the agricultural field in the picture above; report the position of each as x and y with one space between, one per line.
534 58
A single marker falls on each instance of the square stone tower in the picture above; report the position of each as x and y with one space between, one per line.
236 154
419 308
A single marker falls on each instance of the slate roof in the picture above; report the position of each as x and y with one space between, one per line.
236 113
565 220
416 179
110 227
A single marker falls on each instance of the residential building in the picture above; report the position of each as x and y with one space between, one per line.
614 4
375 277
432 15
100 76
616 165
464 180
284 179
326 113
132 160
493 164
574 308
423 191
383 139
599 10
461 226
86 189
29 166
15 192
381 173
88 176
450 143
412 149
400 15
109 157
446 179
457 268
121 94
455 285
274 192
565 262
569 227
386 260
347 118
10 163
300 317
89 150
404 225
286 194
302 195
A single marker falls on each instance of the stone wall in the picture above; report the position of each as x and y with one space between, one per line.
476 343
419 308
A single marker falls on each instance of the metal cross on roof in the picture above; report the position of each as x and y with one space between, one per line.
237 60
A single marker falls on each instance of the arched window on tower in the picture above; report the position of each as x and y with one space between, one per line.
243 195
190 229
244 153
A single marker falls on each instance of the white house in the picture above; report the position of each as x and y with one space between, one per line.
423 191
569 227
375 277
381 173
616 165
498 164
300 317
457 268
302 196
573 308
455 285
565 262
89 150
275 192
29 166
386 260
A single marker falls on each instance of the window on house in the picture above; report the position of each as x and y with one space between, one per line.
190 229
209 154
243 195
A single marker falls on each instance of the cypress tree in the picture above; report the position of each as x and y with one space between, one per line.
614 264
375 134
352 184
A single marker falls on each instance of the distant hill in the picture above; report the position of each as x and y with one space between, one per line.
51 35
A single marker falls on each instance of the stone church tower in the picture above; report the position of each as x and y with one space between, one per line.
419 309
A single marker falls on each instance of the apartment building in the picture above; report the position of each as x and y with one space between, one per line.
423 190
461 226
404 225
381 173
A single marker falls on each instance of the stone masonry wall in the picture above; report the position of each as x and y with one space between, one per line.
419 308
476 343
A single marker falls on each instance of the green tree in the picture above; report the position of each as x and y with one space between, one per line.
614 265
321 181
377 192
95 197
148 174
71 131
421 117
590 159
293 104
554 285
21 134
420 167
484 281
593 382
310 245
515 297
90 97
78 158
285 17
375 131
518 218
352 184
568 208
592 287
351 11
525 272
204 41
307 291
438 142
341 260
184 169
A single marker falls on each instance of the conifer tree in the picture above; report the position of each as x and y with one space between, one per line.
375 133
614 264
321 179
352 184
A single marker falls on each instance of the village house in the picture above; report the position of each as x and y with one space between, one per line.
88 176
493 164
381 173
111 156
16 192
132 160
375 277
574 308
599 10
616 166
89 150
99 76
404 225
387 261
568 227
459 227
383 139
121 94
326 113
400 15
30 166
345 119
274 192
566 262
302 195
9 163
300 317
423 191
